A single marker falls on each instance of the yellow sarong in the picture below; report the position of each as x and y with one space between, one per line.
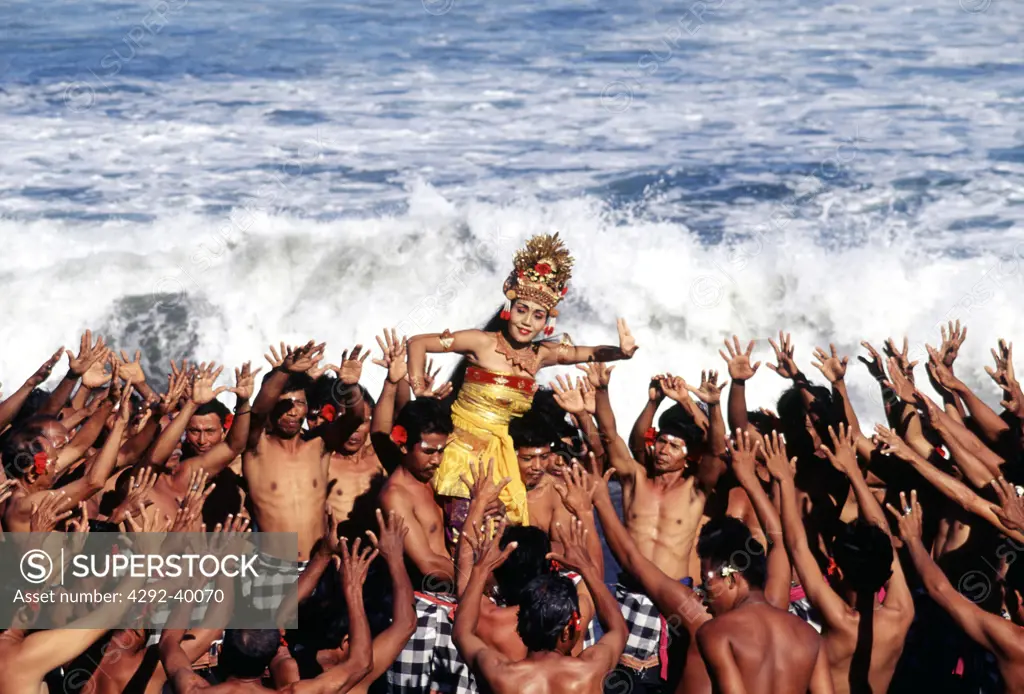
486 404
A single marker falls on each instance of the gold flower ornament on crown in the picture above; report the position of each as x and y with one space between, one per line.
541 275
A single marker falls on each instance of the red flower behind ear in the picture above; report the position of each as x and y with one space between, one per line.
555 566
228 421
832 567
399 435
39 462
650 436
328 412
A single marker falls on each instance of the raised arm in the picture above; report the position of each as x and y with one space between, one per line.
992 632
744 452
955 436
88 354
991 424
10 407
288 361
843 456
605 654
645 420
566 353
359 661
599 375
712 464
952 488
390 642
821 595
473 649
740 371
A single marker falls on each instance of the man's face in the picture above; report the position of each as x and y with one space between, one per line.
533 463
719 593
289 413
424 458
355 442
204 432
527 320
669 453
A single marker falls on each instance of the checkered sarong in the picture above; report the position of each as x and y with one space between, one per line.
644 623
274 578
430 662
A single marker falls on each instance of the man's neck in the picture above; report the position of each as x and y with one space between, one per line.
753 596
290 445
667 479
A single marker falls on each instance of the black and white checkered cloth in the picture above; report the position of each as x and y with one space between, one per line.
644 623
274 578
430 662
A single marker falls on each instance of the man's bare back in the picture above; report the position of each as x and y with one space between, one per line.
548 673
761 648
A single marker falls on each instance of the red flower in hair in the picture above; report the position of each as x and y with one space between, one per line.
832 567
39 461
542 269
555 566
399 435
328 412
228 421
650 436
941 450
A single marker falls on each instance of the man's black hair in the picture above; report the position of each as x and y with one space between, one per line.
424 416
546 605
527 561
529 432
762 423
675 421
864 554
324 617
246 653
295 382
726 541
213 407
19 453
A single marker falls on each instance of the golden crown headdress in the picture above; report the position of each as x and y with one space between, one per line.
541 275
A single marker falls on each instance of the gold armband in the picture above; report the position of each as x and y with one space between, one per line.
565 349
447 340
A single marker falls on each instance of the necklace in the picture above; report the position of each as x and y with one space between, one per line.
526 358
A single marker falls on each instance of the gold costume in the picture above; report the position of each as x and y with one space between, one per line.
486 404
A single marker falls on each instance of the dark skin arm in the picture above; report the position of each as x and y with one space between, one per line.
10 407
645 420
712 465
832 608
417 546
88 354
949 486
390 642
740 371
744 453
1000 636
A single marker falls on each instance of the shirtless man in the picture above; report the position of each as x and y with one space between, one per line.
32 465
417 440
750 646
663 504
1004 638
287 473
545 492
861 657
205 447
499 608
247 653
548 623
354 469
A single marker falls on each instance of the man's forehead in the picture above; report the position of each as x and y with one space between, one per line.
296 395
201 421
531 451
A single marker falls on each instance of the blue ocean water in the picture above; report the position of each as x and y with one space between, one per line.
205 177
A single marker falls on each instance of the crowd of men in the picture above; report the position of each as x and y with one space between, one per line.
756 550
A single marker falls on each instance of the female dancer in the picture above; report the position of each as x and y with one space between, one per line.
499 381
